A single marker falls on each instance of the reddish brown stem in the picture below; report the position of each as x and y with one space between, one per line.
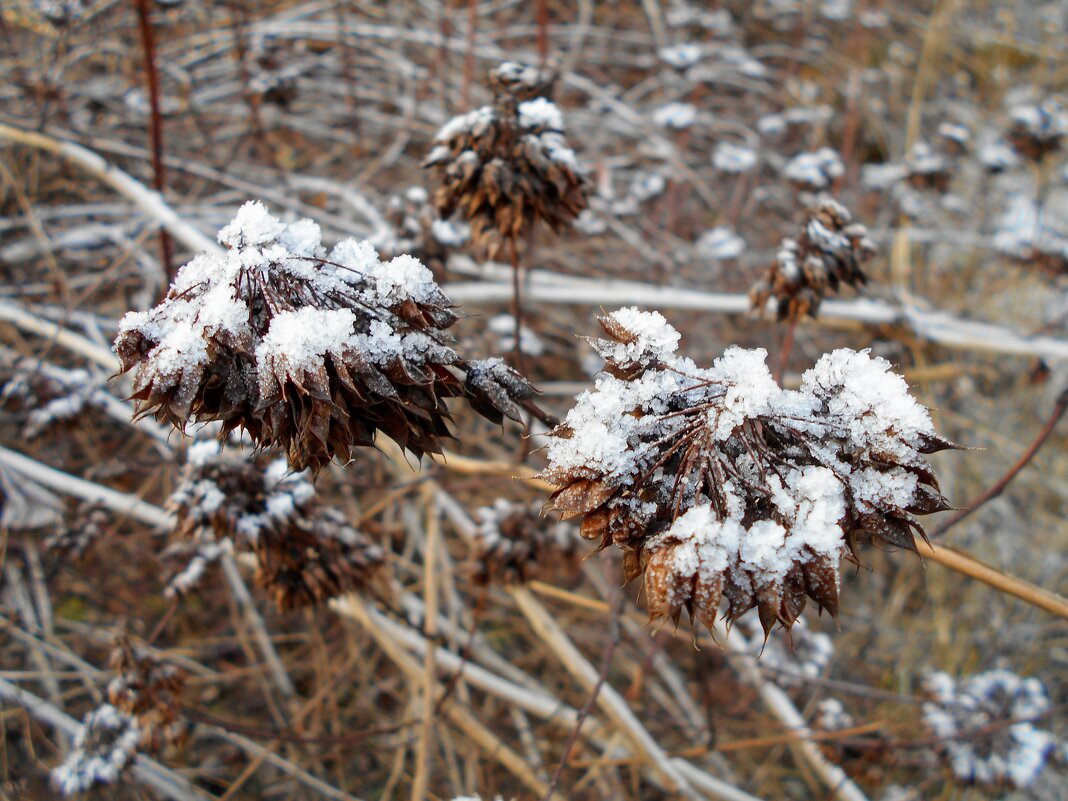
543 33
787 347
999 486
587 708
155 132
517 307
469 54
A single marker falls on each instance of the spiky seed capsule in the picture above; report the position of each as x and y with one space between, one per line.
516 544
305 554
1036 131
506 166
311 353
149 691
829 252
720 486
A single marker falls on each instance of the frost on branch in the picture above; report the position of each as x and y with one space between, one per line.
828 253
305 554
718 484
986 726
506 166
311 352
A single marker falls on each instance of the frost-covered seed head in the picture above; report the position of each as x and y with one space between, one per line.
515 543
719 485
986 726
305 554
309 351
828 252
506 166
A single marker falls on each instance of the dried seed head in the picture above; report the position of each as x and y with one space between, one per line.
312 354
506 166
149 691
1038 130
305 554
985 726
517 544
828 253
720 486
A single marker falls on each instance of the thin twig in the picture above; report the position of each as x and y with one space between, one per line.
999 486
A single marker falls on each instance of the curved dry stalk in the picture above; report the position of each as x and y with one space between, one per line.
1010 585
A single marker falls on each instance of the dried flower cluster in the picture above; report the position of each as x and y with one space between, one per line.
515 544
1038 130
987 726
305 554
828 253
149 691
719 484
309 353
507 165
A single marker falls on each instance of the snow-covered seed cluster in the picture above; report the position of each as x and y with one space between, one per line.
149 691
415 229
829 252
718 484
305 554
986 726
515 543
84 526
49 400
506 166
1035 131
106 743
816 170
311 352
831 715
1032 238
926 168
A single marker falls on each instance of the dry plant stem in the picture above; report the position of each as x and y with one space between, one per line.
972 567
543 33
787 346
430 629
263 754
469 54
146 771
611 703
133 190
1000 485
352 606
148 45
546 287
779 703
517 306
587 708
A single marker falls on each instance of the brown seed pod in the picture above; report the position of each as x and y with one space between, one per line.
828 253
149 691
516 544
724 489
305 554
1039 130
506 166
310 353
